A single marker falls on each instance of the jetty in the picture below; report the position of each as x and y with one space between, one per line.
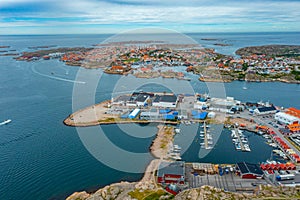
239 139
205 136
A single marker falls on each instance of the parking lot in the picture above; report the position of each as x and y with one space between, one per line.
228 181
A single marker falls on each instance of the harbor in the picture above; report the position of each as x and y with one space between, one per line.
239 140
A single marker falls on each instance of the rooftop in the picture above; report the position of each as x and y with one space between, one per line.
267 109
168 98
247 168
174 168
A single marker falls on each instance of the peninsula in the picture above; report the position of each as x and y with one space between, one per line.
167 177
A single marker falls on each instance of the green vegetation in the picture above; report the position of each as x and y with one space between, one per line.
297 74
245 66
158 194
149 194
132 60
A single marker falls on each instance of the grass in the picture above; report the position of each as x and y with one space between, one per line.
156 195
149 194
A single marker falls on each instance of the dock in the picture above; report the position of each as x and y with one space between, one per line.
239 139
205 136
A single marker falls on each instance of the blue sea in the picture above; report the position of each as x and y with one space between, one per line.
41 158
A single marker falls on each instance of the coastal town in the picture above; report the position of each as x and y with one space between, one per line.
169 174
152 59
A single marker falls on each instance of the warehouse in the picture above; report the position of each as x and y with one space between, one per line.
134 113
150 115
165 101
171 172
249 171
265 110
142 100
290 116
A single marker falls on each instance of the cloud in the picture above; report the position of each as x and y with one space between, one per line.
151 12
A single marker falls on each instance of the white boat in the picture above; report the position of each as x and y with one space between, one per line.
245 88
273 145
176 147
201 131
5 122
177 130
209 147
246 147
237 146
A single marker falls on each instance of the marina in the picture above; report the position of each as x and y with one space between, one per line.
64 142
239 140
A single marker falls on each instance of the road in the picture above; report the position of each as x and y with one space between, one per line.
278 134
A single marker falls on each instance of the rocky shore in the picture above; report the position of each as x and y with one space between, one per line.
146 186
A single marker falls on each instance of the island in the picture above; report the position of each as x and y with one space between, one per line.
158 59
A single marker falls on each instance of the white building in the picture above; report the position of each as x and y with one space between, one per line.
142 100
285 118
200 105
265 110
223 105
165 101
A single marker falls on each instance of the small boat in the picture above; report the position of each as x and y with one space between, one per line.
176 147
237 146
273 145
5 122
245 88
246 147
177 130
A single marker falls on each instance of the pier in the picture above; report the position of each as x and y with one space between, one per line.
239 139
205 136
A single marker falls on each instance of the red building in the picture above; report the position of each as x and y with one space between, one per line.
171 172
249 171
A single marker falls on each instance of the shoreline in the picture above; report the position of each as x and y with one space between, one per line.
122 190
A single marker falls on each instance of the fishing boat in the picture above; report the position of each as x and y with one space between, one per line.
5 122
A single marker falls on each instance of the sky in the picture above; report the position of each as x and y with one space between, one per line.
113 16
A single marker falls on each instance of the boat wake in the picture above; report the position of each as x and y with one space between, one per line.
55 77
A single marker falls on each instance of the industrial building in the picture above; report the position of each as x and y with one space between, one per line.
165 101
265 110
249 171
134 113
290 116
223 105
171 172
